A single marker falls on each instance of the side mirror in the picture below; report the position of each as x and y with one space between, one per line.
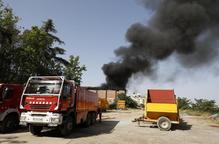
6 93
66 92
1 92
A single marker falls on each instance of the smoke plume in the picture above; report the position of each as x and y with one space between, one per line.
188 28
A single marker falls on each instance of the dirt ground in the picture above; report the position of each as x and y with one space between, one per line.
117 128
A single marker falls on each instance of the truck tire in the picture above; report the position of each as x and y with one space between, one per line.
10 123
87 123
93 118
35 130
67 126
164 123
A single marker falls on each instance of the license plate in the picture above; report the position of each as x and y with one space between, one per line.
38 119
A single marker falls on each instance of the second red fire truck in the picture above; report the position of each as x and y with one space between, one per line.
10 95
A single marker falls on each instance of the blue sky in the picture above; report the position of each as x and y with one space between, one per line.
90 29
94 29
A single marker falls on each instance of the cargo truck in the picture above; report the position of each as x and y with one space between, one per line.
53 101
161 108
10 95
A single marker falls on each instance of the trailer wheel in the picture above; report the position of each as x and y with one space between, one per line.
67 126
35 130
10 123
164 123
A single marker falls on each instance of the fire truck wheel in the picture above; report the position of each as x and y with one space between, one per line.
10 123
67 126
164 123
35 130
93 118
88 120
74 123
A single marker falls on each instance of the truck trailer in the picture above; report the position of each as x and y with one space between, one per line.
10 95
53 101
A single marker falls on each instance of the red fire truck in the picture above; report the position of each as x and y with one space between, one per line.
53 101
10 95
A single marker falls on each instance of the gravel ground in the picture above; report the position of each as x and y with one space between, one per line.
117 128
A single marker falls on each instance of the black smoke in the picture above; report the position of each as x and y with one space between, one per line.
187 28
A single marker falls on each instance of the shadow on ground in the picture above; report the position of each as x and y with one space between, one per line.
118 111
5 138
18 130
183 126
11 140
105 127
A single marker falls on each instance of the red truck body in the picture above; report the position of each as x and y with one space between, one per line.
87 100
10 95
53 101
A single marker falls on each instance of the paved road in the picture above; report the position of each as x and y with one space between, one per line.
117 128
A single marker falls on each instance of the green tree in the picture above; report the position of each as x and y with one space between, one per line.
183 103
9 43
34 51
53 52
38 54
204 105
129 102
74 70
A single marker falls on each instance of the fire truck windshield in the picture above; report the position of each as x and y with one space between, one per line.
43 87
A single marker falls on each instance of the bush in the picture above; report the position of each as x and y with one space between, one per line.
129 102
204 105
198 106
113 105
184 103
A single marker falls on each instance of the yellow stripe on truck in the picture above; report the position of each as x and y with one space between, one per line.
158 107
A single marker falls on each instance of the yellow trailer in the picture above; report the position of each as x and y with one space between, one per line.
161 108
121 104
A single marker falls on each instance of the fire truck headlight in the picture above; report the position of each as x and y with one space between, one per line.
55 120
22 118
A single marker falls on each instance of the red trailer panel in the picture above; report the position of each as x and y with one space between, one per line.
161 96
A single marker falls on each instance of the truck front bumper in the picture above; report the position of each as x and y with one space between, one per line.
41 118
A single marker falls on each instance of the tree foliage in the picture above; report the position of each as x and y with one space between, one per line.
73 70
183 103
9 42
34 51
38 56
204 105
199 105
129 102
